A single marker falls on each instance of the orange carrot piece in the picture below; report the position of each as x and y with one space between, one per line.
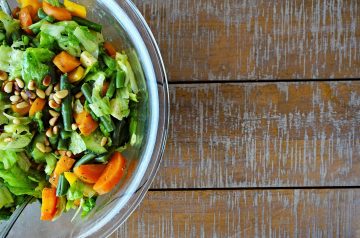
112 174
37 106
66 62
48 206
110 49
89 173
59 13
25 18
85 123
21 111
63 165
35 4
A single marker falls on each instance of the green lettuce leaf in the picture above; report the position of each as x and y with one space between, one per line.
11 25
10 61
77 144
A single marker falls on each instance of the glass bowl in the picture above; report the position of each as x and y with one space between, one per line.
126 28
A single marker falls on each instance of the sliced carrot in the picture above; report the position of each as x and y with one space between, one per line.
63 165
89 173
25 18
66 62
48 206
35 4
105 88
37 106
59 13
112 174
85 123
110 49
21 111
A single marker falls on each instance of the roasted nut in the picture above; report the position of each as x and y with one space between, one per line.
3 75
49 90
22 105
74 127
24 95
49 132
16 121
41 147
40 93
8 88
53 104
103 141
53 121
32 85
15 98
54 113
79 95
20 83
46 81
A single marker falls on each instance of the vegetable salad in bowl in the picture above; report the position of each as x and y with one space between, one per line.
66 109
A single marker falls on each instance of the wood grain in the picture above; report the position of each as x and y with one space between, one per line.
256 39
262 135
249 213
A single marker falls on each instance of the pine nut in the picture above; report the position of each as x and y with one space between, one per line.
9 139
46 81
54 113
3 75
68 153
16 87
103 141
62 94
49 90
16 121
62 152
17 93
22 105
49 132
53 120
53 104
41 147
78 95
40 93
57 87
57 100
24 95
55 130
8 88
56 152
74 127
32 85
20 83
15 98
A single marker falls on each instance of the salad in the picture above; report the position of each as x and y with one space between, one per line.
67 103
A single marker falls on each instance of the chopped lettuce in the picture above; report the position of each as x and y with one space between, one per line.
6 199
70 44
52 30
124 65
10 61
46 41
87 40
19 182
100 105
8 158
11 25
15 137
87 206
77 145
78 190
35 64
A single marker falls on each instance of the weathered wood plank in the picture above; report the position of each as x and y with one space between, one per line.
251 213
256 39
262 135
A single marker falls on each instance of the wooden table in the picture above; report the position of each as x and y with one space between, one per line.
264 136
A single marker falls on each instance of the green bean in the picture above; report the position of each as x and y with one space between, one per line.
84 22
66 105
62 144
86 90
104 130
62 186
96 118
65 135
85 159
111 90
41 13
103 158
105 120
120 79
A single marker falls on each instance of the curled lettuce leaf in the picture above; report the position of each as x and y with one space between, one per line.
10 61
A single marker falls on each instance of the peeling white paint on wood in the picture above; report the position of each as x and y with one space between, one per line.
259 135
256 39
249 213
